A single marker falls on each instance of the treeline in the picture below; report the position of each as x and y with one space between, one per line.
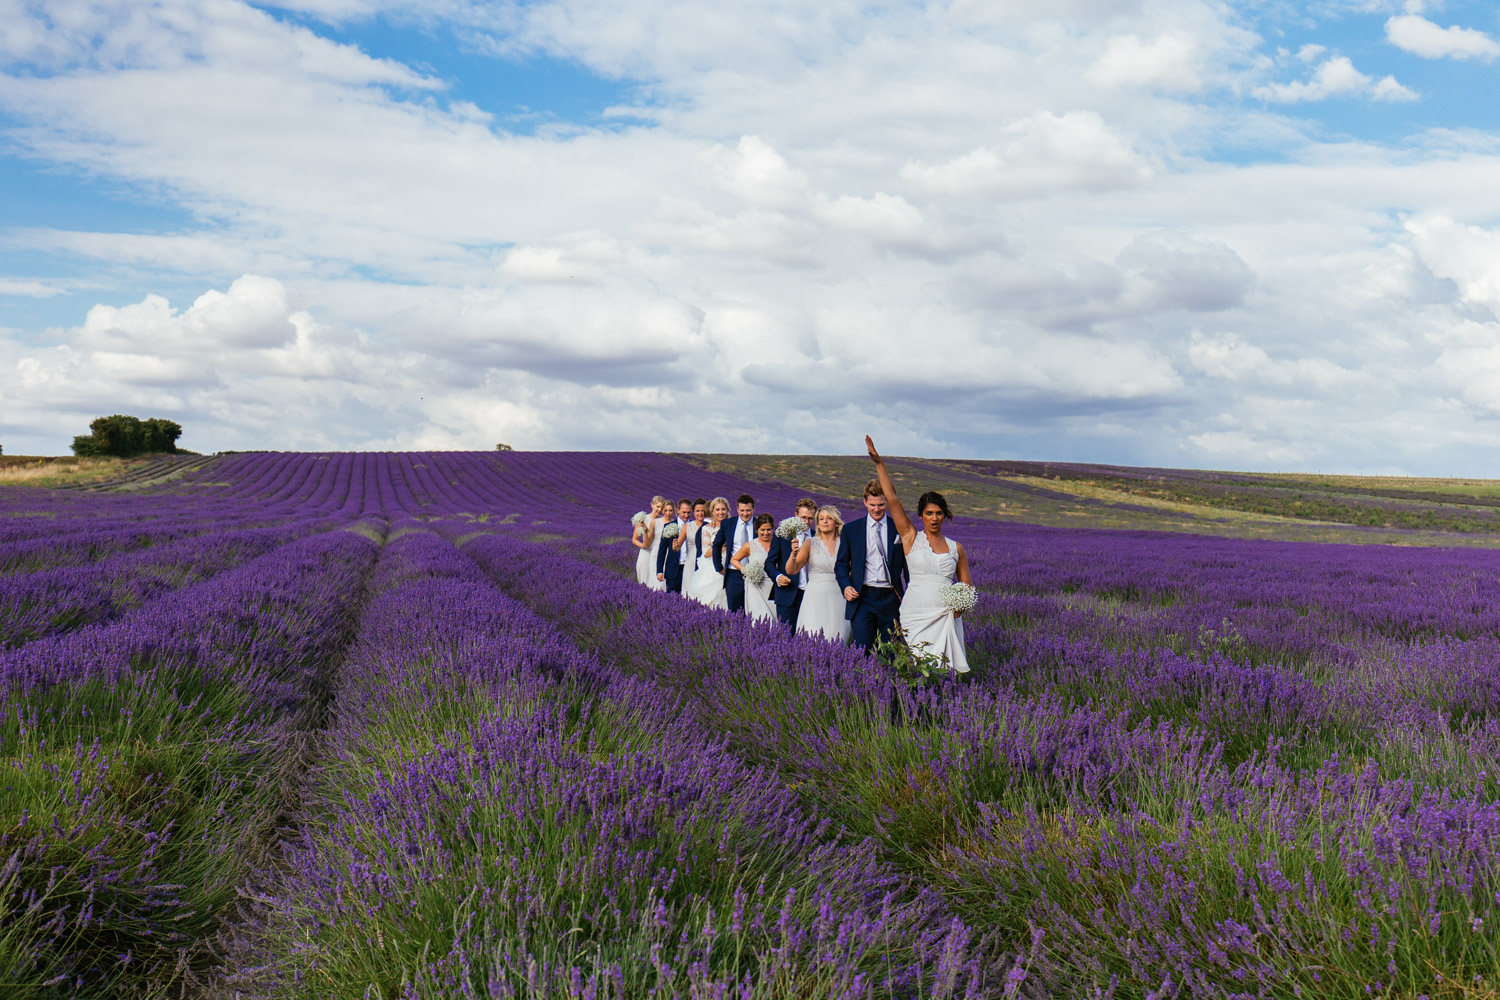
120 436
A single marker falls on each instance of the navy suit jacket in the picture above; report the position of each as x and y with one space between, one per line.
849 564
668 559
724 547
776 560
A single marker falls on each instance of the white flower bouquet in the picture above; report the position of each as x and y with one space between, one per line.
672 530
790 528
639 518
754 573
959 597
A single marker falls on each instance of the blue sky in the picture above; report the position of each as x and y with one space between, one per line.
1258 235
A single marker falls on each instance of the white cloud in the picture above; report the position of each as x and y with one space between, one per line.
1421 37
1469 256
1018 216
1335 77
1042 153
26 288
1171 61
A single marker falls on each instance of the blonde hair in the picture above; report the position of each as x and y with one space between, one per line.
715 502
833 512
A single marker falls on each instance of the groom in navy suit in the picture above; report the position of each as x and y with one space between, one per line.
669 556
871 567
734 533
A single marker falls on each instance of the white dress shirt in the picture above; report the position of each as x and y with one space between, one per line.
742 534
877 554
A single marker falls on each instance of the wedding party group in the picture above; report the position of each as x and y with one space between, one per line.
859 582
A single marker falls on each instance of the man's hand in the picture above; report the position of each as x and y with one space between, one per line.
783 580
850 594
661 576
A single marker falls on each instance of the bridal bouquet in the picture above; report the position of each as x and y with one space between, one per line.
672 530
754 573
959 597
790 528
638 518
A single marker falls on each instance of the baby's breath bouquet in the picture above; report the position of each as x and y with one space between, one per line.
960 597
672 530
639 518
754 573
790 528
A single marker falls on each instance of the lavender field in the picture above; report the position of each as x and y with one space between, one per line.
403 725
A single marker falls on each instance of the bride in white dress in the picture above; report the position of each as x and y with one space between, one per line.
933 562
823 603
644 541
706 585
757 595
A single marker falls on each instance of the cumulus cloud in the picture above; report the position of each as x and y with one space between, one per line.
1170 61
1419 36
1336 77
978 228
1041 153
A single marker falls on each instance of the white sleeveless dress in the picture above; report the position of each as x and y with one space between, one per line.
651 580
644 570
758 598
923 614
706 585
823 603
688 554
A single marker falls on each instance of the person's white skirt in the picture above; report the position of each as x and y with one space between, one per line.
706 585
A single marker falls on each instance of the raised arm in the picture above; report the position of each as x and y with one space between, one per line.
903 524
801 554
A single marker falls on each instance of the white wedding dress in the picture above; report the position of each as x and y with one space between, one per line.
706 585
644 570
823 603
923 615
758 596
687 554
657 543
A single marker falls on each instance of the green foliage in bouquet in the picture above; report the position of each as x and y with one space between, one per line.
915 664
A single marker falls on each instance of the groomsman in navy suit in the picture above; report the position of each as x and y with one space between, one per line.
871 567
786 591
670 554
732 534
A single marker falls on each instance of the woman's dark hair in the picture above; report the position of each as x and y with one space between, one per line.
932 498
763 519
700 502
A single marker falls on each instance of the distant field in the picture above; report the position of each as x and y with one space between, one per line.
1292 507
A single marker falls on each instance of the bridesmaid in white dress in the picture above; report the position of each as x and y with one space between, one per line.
706 586
933 562
642 538
758 596
657 523
823 601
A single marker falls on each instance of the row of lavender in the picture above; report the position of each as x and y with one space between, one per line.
1185 766
502 814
